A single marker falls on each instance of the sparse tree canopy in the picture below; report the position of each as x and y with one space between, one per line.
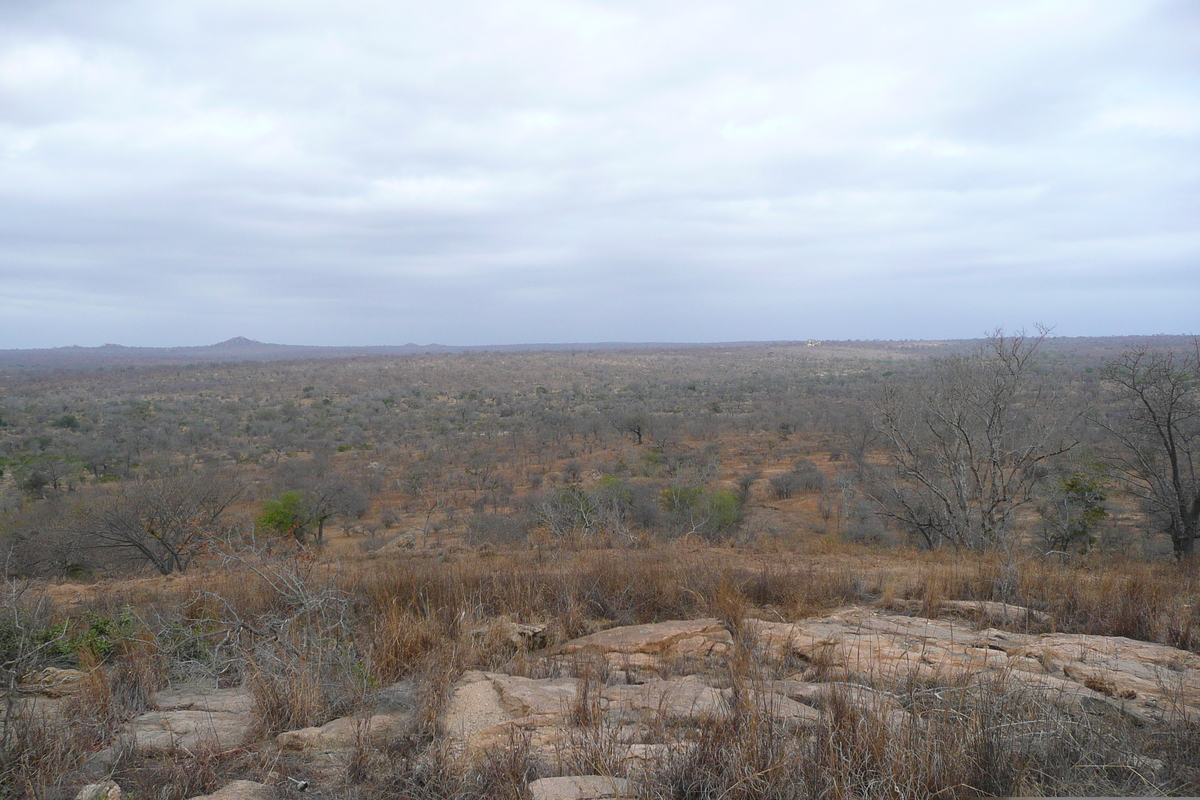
303 512
636 425
967 450
165 520
1159 431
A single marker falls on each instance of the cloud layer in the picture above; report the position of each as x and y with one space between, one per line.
476 172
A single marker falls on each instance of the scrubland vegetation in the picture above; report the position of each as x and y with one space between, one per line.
316 530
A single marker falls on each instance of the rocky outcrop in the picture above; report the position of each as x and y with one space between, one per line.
626 700
190 718
486 710
868 658
1149 682
685 700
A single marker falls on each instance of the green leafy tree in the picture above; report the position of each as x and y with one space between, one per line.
692 510
286 514
322 494
67 422
1074 511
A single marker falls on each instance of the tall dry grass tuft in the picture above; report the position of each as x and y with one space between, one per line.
137 672
740 756
1160 605
90 707
40 751
592 673
621 587
505 770
399 640
181 775
982 740
1102 596
289 689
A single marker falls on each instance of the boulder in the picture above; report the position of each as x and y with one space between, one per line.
52 681
676 638
525 696
344 733
241 790
104 790
526 635
193 717
187 731
580 787
393 716
474 706
487 710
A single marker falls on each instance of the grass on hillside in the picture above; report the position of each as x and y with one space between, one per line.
313 637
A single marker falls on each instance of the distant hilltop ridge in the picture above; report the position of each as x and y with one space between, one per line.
241 348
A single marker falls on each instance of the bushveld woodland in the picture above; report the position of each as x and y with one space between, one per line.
855 569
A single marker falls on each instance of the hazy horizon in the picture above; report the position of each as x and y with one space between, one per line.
237 340
568 171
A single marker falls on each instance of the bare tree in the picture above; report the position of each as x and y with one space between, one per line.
967 453
568 511
324 494
637 425
333 496
166 521
1159 430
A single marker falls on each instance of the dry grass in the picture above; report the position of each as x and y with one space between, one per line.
43 742
182 775
986 740
40 752
311 637
1157 602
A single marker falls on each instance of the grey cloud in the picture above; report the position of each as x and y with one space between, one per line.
481 173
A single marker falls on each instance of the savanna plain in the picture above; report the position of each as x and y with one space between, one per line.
789 570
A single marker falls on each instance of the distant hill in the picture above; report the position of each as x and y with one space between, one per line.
239 348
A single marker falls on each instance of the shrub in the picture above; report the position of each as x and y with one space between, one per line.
497 529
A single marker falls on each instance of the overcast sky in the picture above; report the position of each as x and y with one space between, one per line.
303 172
